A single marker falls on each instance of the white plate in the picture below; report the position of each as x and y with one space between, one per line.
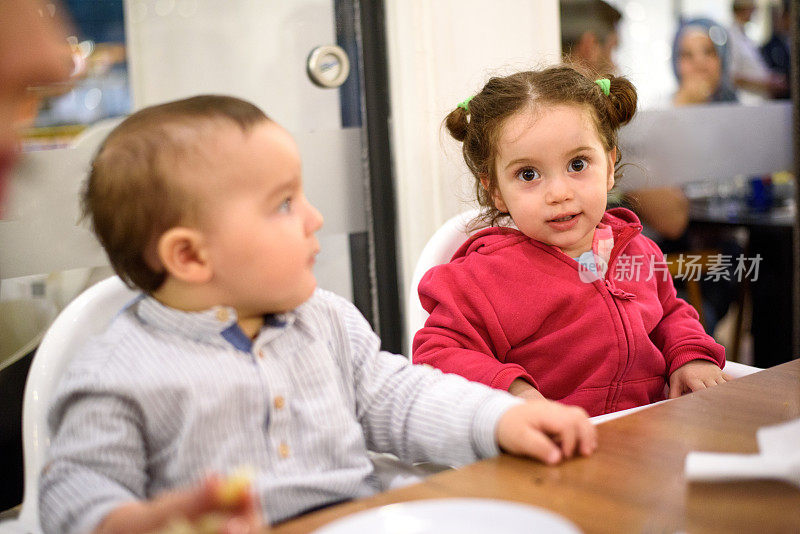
452 516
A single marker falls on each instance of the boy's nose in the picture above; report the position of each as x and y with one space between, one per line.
313 220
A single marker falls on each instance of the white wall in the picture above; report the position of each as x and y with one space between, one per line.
439 53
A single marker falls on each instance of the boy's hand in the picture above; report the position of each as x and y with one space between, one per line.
520 388
213 507
546 430
694 375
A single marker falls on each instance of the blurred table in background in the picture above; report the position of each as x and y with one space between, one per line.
768 220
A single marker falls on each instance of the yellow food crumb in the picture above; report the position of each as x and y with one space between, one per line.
235 487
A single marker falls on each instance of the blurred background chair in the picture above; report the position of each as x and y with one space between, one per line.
702 262
88 314
85 316
705 263
439 249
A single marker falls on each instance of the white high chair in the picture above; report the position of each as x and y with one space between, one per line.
441 247
88 314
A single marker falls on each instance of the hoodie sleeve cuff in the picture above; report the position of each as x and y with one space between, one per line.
484 422
685 355
508 374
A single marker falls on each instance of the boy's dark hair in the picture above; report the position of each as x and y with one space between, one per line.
480 128
133 194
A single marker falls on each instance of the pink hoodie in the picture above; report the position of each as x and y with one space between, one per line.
507 306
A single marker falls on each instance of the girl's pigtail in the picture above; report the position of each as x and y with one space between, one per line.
621 101
456 123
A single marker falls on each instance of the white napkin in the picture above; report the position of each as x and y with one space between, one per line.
779 458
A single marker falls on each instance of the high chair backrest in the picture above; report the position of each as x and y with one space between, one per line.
86 315
441 247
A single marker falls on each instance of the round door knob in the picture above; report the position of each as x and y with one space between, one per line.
328 66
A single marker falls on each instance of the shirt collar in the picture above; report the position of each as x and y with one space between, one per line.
217 325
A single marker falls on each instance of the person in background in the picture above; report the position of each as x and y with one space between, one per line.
777 50
589 38
231 357
33 53
751 75
589 34
700 52
571 302
700 63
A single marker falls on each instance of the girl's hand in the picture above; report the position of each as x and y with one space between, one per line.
695 375
546 430
520 388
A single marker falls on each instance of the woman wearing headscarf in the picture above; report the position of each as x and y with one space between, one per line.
699 60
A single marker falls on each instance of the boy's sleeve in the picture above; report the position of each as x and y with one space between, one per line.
415 411
463 335
96 460
680 335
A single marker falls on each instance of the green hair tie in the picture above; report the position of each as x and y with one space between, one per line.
605 85
465 104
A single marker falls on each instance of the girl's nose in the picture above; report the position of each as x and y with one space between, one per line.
559 190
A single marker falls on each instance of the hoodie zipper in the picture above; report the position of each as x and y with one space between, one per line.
625 237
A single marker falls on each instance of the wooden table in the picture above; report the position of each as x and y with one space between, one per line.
635 481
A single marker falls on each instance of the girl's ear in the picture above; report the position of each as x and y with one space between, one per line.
181 251
496 197
485 182
499 203
612 159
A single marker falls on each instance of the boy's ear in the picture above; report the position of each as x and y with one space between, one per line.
612 159
181 251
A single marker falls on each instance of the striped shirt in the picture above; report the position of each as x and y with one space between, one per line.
163 397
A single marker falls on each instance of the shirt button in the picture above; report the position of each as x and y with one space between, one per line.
283 450
222 315
279 402
262 354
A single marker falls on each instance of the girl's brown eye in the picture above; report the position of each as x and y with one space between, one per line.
577 165
527 175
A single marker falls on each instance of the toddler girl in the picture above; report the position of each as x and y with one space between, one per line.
563 299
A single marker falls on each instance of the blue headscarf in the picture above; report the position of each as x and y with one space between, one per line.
718 36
